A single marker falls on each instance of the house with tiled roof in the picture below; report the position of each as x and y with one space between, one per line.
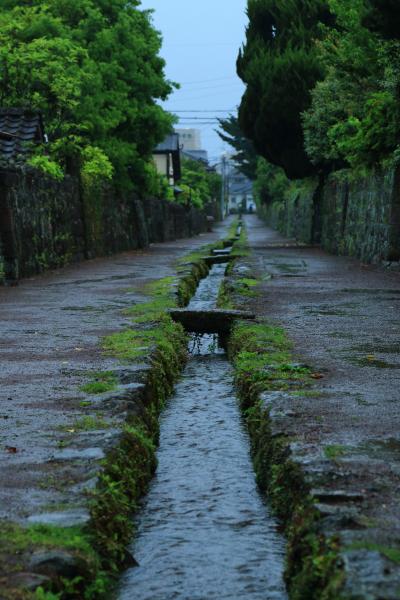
19 130
167 158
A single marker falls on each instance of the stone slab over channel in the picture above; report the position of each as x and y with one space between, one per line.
216 259
343 318
51 328
209 321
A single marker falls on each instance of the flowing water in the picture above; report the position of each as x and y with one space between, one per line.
204 531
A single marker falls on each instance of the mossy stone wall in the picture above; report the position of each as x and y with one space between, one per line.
351 216
41 223
46 223
293 217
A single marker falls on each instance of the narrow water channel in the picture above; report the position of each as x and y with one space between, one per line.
204 531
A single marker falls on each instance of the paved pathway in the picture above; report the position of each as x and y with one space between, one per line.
344 320
50 332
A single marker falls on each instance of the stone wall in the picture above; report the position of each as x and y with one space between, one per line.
355 217
359 218
46 223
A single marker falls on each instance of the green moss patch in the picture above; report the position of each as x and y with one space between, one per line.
136 344
392 554
263 361
224 299
240 247
102 381
90 423
123 481
335 451
162 298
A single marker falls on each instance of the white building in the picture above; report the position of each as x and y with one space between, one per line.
189 139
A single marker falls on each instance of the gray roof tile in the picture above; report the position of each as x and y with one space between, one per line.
19 128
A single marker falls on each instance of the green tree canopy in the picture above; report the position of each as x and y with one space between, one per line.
92 67
354 117
198 183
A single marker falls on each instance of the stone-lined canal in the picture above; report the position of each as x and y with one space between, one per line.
204 531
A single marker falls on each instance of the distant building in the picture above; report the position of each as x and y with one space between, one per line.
240 192
189 139
167 158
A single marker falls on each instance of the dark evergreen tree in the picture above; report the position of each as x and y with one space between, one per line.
280 66
383 17
246 156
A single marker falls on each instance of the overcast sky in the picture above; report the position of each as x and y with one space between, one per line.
201 40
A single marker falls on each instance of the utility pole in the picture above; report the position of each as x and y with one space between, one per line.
223 170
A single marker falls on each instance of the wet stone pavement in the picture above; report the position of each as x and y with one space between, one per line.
50 340
344 320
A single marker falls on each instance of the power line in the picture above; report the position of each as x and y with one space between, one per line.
201 111
215 119
220 86
200 44
187 99
208 80
188 93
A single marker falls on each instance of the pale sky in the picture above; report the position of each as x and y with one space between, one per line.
201 40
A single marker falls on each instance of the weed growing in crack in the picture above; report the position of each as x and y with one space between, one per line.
101 382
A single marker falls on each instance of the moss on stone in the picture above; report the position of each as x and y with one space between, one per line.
123 480
391 553
261 355
17 544
335 451
224 299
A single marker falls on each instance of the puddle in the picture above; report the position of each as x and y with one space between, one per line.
371 291
371 361
387 450
204 531
378 348
340 335
328 312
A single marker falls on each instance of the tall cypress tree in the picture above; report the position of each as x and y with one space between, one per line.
280 66
383 17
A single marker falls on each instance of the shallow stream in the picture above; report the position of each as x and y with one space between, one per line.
204 531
